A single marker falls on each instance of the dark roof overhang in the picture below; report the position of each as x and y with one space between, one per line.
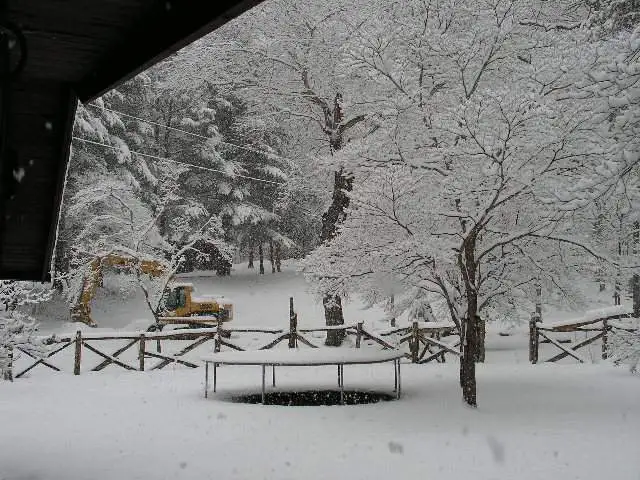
75 49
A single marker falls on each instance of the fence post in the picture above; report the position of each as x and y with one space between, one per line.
605 338
293 325
217 343
141 352
8 373
392 302
220 329
442 357
358 334
414 344
78 353
539 300
533 339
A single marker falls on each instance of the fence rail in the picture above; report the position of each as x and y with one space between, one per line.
599 328
424 342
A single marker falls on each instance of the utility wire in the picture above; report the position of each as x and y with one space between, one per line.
186 132
164 159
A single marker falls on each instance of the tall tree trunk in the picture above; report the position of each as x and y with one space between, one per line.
251 257
278 257
261 256
333 315
271 257
342 184
8 370
468 363
392 306
334 126
636 295
481 334
635 281
470 330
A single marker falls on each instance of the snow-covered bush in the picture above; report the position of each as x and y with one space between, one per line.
625 348
18 328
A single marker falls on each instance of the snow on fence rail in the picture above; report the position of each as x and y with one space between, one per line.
423 339
597 322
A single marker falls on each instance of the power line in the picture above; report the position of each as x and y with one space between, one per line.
186 132
164 159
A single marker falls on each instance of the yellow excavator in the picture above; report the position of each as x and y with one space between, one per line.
177 304
180 306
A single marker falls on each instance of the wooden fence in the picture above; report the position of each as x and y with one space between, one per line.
423 339
594 329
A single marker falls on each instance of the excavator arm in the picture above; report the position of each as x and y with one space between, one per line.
81 310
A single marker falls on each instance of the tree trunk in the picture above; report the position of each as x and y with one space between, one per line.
278 257
636 295
334 127
392 302
468 363
261 256
271 257
470 330
7 374
251 257
333 316
636 278
481 334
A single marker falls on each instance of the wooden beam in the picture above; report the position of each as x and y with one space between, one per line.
41 360
166 27
564 349
39 120
575 347
167 360
186 349
108 357
114 354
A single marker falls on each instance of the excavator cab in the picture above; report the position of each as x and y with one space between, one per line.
176 298
179 300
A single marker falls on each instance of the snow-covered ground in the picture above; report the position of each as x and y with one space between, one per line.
534 422
549 421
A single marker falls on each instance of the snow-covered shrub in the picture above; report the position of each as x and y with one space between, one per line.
18 328
625 348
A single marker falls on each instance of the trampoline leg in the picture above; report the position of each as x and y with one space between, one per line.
273 374
215 377
341 376
206 379
395 376
399 391
264 368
